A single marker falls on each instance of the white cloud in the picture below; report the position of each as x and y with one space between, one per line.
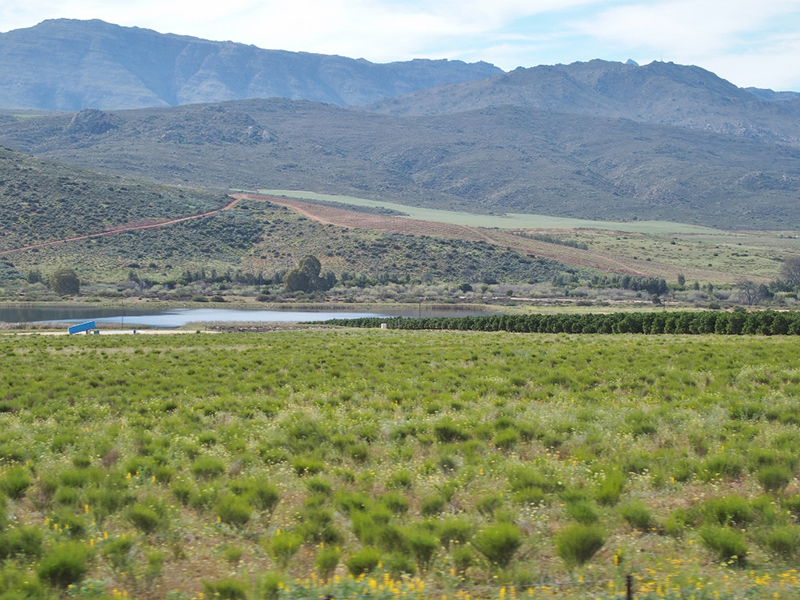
743 41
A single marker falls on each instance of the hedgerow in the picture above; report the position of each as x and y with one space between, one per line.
766 322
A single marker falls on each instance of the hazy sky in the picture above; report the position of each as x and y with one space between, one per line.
748 42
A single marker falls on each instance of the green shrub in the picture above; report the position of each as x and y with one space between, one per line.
637 515
792 504
784 541
532 495
118 552
327 560
147 517
182 490
730 510
609 488
463 558
726 544
263 496
446 431
66 496
774 478
225 589
506 439
283 546
577 544
432 505
306 465
423 546
455 530
70 523
395 502
363 562
15 482
398 564
16 583
269 586
234 510
583 512
727 465
401 479
489 504
207 467
64 564
319 485
498 543
78 478
21 541
676 523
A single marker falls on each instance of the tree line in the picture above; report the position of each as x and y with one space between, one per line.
738 322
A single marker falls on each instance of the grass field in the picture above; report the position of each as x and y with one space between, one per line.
433 464
507 221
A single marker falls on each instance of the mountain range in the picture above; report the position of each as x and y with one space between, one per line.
663 93
597 140
66 64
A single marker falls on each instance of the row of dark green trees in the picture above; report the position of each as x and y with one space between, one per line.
765 322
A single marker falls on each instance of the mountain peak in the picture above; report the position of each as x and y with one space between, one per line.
69 64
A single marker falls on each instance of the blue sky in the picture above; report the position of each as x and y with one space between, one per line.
747 42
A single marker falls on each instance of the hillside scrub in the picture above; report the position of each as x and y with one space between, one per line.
314 455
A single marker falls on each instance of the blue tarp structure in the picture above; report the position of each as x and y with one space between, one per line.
81 327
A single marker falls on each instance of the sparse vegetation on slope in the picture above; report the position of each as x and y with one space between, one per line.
507 159
448 461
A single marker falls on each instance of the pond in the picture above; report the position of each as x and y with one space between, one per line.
178 317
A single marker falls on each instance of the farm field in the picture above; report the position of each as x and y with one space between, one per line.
656 249
506 221
293 464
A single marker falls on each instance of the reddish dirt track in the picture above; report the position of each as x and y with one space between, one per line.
362 220
122 228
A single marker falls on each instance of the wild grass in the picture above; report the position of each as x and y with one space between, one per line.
331 452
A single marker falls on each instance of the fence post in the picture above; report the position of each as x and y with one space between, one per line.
629 586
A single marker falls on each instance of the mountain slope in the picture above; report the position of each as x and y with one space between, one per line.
41 201
663 93
506 159
67 64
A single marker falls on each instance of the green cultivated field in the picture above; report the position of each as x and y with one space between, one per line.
507 221
401 464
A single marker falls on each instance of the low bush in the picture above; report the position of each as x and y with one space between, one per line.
283 546
207 467
234 510
498 543
783 541
774 478
726 544
15 482
327 560
637 515
65 564
583 512
423 546
363 561
225 589
577 544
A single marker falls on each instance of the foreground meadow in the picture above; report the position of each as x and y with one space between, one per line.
399 464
